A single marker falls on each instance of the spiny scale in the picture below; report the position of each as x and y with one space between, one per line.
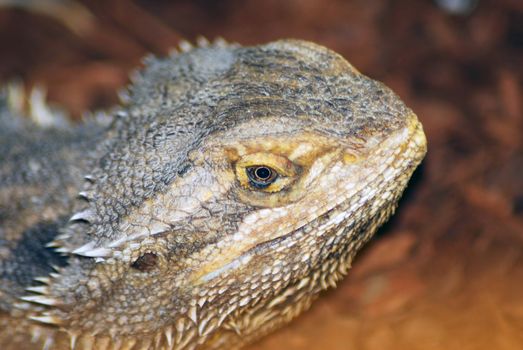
84 195
38 289
40 299
47 319
87 215
90 250
185 46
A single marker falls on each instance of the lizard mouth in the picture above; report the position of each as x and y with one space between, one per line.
417 141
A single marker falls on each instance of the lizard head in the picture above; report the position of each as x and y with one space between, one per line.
235 184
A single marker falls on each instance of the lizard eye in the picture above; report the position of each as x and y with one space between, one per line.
261 176
263 173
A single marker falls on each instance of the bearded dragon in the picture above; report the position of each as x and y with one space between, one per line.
232 185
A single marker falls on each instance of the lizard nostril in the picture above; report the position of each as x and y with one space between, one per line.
146 262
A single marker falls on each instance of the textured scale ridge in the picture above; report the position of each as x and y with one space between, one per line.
232 185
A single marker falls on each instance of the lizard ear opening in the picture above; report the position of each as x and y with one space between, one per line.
145 262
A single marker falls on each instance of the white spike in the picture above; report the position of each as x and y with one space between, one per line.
220 42
211 326
303 283
84 195
38 289
203 324
235 327
62 250
169 336
40 299
39 111
52 244
98 253
84 215
222 318
73 337
89 178
202 41
62 237
185 46
193 314
224 314
54 275
90 251
86 247
180 325
132 237
117 242
42 279
179 338
47 319
202 301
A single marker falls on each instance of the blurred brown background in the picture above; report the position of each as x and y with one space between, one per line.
447 271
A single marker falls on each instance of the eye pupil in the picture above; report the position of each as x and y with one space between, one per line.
261 176
263 173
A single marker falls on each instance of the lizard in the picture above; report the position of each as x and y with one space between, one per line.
229 188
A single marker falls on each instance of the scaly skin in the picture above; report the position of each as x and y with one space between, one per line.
172 241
